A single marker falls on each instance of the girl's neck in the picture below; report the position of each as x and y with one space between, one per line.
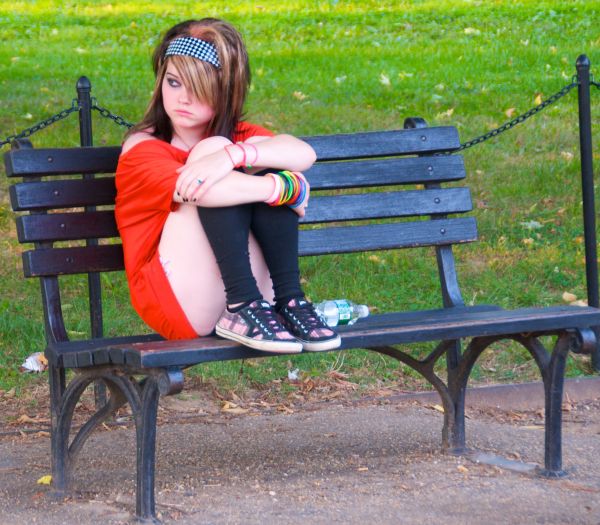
185 141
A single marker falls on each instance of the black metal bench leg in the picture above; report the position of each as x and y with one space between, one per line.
553 387
61 456
146 450
454 423
58 455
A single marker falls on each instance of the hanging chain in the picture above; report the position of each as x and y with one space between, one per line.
43 124
122 122
517 120
107 114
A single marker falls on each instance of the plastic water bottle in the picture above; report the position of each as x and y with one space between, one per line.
341 311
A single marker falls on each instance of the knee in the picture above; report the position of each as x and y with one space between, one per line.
204 329
208 146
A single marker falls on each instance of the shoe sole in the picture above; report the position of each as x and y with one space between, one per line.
321 346
275 347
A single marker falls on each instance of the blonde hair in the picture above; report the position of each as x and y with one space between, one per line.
224 89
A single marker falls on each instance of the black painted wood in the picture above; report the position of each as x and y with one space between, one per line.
376 330
389 204
61 161
385 172
384 143
66 261
348 239
56 194
66 226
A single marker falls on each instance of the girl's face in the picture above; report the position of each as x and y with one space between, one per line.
185 111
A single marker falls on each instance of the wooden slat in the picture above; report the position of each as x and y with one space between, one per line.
448 324
389 204
66 226
62 194
384 143
384 172
61 161
65 261
347 239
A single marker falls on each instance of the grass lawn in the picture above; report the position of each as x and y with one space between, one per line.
326 67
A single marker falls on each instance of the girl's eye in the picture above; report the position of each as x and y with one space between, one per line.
172 82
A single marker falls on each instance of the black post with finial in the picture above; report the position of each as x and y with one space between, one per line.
587 186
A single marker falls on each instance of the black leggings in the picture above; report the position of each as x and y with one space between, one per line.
275 229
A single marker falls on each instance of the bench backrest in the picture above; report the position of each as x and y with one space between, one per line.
374 190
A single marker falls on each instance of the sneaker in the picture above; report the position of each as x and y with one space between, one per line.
257 326
303 322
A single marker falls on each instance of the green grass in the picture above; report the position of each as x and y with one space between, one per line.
337 66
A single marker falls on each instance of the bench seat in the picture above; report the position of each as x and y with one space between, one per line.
377 330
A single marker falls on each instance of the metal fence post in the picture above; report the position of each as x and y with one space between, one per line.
587 188
84 89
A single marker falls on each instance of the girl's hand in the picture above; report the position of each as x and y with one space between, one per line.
197 177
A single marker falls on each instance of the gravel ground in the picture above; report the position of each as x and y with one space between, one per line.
336 462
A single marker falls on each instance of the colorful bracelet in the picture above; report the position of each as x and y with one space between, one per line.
290 189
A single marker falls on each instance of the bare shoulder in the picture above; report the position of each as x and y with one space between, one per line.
136 138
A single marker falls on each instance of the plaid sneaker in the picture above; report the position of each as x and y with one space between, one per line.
257 326
303 322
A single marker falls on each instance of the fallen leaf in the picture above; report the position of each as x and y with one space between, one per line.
26 419
510 112
439 408
232 408
299 95
538 99
384 80
45 480
533 427
567 155
462 468
362 469
568 297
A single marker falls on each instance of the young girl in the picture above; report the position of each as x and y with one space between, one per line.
207 236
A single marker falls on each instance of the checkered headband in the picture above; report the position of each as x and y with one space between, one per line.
194 47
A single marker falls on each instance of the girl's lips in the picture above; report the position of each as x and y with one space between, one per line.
183 112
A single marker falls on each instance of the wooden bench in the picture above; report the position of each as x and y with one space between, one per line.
397 201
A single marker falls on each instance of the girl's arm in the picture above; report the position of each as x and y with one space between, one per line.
213 159
281 152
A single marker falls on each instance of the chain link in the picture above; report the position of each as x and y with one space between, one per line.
517 120
43 124
107 114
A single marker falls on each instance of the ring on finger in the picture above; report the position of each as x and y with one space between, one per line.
200 181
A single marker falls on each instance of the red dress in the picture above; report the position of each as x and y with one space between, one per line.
145 180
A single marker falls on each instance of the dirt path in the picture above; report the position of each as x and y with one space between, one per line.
336 462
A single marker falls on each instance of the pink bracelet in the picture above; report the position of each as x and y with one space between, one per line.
274 198
242 162
243 146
